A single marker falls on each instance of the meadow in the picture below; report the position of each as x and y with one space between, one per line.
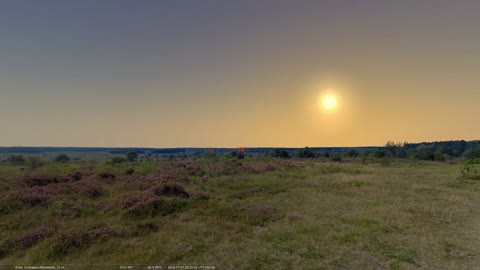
251 213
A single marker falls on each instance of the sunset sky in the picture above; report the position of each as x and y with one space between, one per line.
227 73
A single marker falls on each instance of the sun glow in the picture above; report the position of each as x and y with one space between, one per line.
329 102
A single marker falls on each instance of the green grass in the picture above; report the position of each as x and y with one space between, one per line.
260 214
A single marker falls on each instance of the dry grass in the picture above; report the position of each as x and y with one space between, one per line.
253 214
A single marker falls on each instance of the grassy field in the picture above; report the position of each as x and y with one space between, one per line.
254 213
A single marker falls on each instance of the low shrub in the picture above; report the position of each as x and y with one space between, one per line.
336 158
62 158
35 162
30 238
170 189
10 203
67 241
89 190
16 159
103 233
117 160
144 228
42 180
107 176
37 195
77 176
150 207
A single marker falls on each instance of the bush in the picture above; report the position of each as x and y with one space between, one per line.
35 162
62 158
279 153
16 160
132 156
170 190
472 153
30 238
472 161
305 153
378 153
155 206
38 195
352 153
117 160
66 242
89 190
336 158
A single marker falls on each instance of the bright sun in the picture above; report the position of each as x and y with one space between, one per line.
329 102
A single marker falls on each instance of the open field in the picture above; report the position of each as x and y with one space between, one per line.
255 213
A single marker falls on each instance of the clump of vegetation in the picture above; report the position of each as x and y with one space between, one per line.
210 163
472 161
35 162
279 153
68 240
107 176
76 176
170 189
155 206
89 190
16 160
62 158
117 160
30 238
352 153
336 158
132 156
305 153
470 172
38 195
43 180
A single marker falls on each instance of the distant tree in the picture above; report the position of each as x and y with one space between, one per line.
326 155
352 153
379 153
62 158
279 153
16 159
35 162
472 153
426 152
336 158
438 155
396 150
132 156
305 153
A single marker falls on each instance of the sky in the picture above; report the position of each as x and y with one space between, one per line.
230 73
